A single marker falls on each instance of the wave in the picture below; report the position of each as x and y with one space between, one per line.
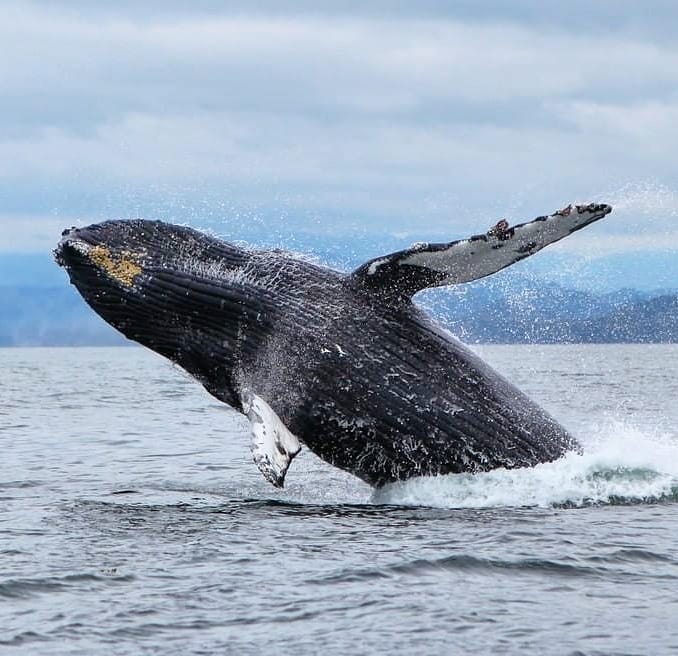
620 465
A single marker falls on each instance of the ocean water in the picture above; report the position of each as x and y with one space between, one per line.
133 522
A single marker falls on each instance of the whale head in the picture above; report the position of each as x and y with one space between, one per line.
167 287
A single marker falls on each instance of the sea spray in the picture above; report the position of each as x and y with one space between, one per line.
620 465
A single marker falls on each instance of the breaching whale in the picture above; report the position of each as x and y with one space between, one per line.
346 364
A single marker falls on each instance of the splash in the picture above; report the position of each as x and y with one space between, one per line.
645 198
625 467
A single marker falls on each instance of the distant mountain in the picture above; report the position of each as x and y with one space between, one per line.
39 307
517 309
652 320
50 316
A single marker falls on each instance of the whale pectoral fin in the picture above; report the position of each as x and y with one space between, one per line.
432 265
273 446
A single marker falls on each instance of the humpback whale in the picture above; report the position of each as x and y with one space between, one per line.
344 363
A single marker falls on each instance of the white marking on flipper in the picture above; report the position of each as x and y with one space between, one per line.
273 446
433 265
482 255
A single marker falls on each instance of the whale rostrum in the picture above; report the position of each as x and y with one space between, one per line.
345 364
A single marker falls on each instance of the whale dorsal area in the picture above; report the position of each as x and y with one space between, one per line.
423 265
273 446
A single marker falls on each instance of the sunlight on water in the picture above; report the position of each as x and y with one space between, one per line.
620 466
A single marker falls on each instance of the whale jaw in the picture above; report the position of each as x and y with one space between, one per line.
163 286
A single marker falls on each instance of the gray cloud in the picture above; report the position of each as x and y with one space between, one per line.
94 70
389 117
651 20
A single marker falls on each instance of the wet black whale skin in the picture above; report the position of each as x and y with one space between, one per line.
367 381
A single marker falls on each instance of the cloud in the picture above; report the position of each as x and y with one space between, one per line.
433 120
96 71
30 234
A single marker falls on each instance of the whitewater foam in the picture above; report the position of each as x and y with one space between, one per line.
624 466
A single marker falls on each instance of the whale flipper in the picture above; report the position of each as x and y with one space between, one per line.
273 446
406 272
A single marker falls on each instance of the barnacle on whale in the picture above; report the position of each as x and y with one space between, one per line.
123 267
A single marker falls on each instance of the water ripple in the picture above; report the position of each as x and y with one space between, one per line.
466 563
25 587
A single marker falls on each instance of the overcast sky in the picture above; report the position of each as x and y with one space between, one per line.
429 119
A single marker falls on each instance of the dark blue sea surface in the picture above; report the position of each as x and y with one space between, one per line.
132 521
